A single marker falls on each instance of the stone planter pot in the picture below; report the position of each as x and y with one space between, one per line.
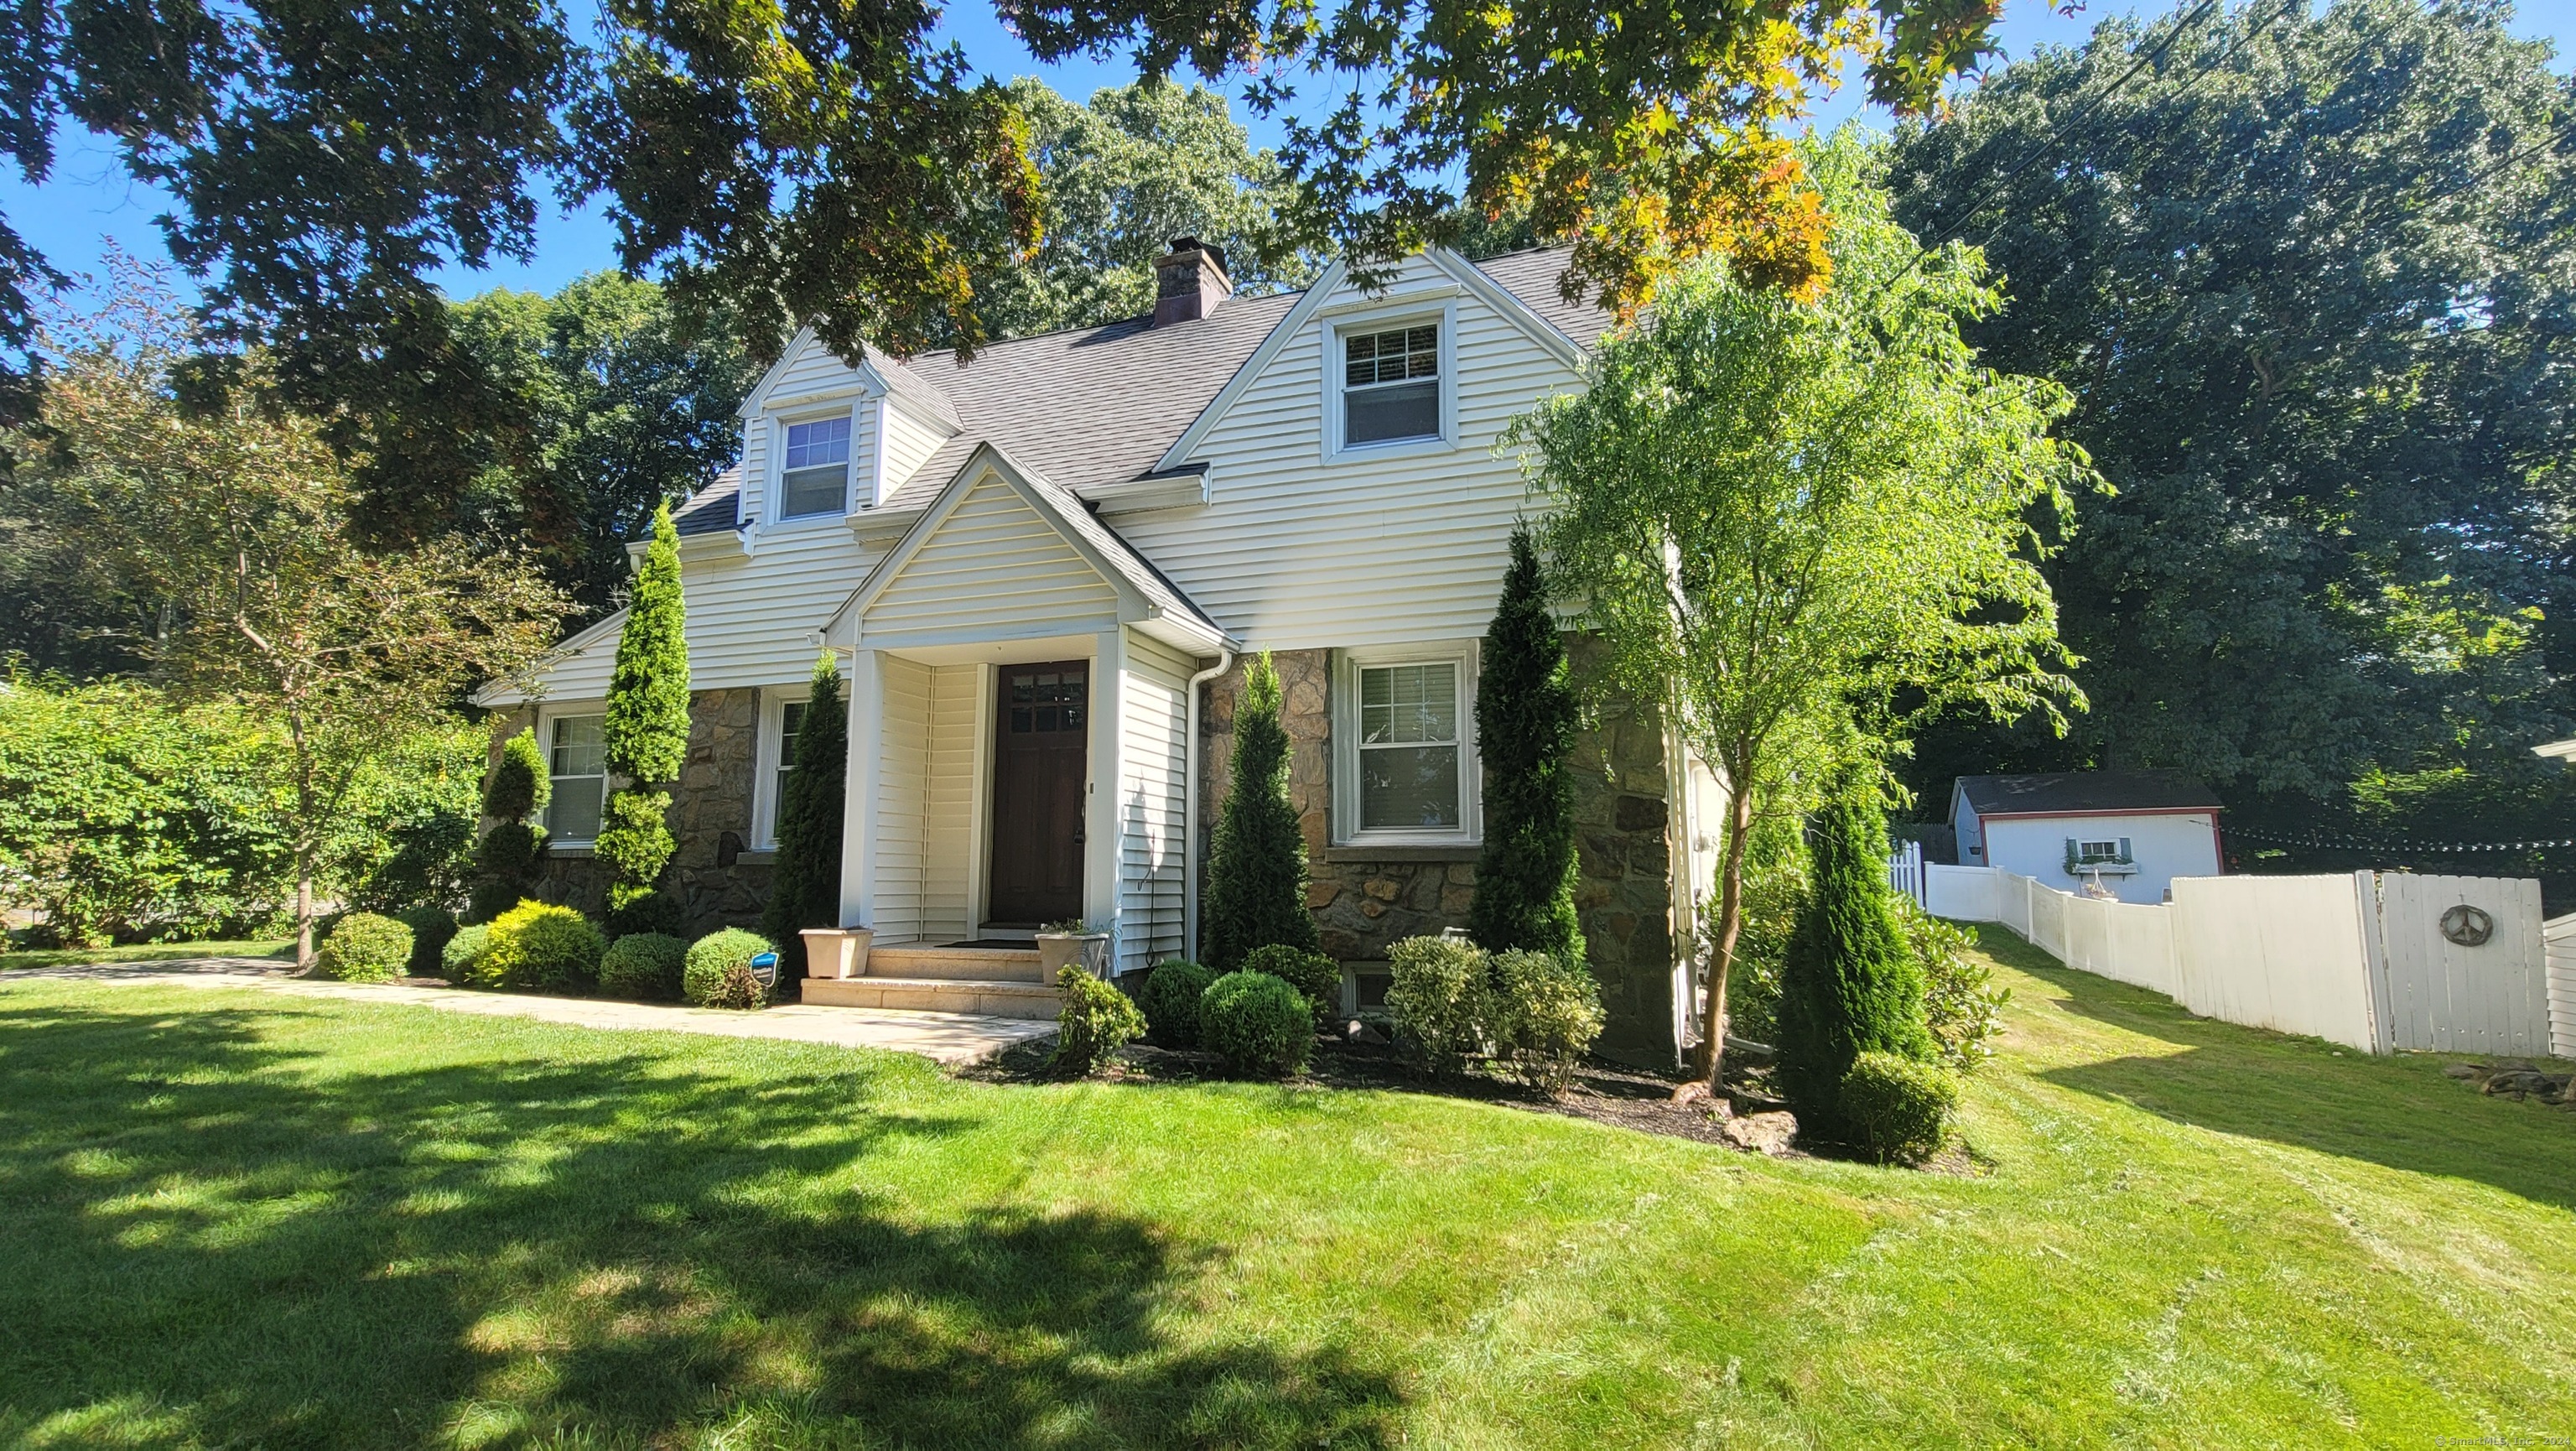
1060 950
837 951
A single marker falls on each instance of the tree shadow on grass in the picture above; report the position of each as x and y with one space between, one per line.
2398 1112
210 1234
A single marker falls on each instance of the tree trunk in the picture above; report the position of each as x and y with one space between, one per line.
1730 923
303 913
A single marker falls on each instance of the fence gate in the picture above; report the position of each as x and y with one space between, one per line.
1905 871
2460 965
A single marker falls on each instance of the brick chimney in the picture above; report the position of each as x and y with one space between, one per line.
1189 281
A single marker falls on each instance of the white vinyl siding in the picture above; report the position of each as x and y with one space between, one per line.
1153 744
926 800
909 443
995 569
1370 549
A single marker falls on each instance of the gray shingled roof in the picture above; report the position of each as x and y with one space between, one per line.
1100 405
2102 791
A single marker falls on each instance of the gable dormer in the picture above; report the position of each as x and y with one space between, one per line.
823 440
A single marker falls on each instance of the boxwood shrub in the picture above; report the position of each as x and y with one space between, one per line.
1257 1023
1546 1011
539 947
463 953
1171 1001
643 965
653 912
364 947
1316 978
1097 1021
717 971
1893 1108
1436 991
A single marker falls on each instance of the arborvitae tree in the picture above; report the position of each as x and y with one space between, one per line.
647 728
511 856
1526 719
1849 985
805 890
1256 889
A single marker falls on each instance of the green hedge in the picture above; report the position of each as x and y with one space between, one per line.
1257 1023
644 965
538 947
1171 1001
1096 1022
717 972
364 947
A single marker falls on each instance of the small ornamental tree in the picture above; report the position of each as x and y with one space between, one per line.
1850 984
510 859
1526 719
1256 888
646 731
805 890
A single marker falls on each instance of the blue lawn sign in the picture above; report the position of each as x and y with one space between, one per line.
764 965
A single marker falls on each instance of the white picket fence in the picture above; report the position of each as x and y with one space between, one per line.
2360 960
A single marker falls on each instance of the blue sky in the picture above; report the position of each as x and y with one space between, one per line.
88 199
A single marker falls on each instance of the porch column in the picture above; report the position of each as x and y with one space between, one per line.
1101 808
859 803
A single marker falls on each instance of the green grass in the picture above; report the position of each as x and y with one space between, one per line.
145 952
230 1218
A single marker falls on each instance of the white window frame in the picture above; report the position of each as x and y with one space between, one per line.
1442 314
608 780
770 754
1345 703
779 425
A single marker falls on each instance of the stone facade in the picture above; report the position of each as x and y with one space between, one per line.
1367 899
718 880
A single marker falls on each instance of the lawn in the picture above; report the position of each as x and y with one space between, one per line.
145 952
228 1218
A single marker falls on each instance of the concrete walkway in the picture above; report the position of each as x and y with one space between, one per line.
949 1038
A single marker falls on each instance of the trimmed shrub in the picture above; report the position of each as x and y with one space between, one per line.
365 948
1436 991
463 954
1526 719
1256 883
1894 1108
511 855
1849 985
654 913
1171 1001
643 965
540 947
645 735
717 971
432 928
1961 1004
1316 978
805 885
1097 1021
1257 1023
1546 1012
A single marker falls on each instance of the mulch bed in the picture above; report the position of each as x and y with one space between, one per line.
1603 1092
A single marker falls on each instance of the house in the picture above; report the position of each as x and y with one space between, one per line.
1044 570
2131 831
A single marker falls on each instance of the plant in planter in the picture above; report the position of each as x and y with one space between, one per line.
1073 943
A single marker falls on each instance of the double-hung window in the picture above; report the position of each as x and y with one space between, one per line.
577 760
782 725
1391 384
1404 767
814 476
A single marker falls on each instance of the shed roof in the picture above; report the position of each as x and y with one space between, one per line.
2108 793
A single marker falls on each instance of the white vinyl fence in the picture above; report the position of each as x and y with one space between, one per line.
2376 961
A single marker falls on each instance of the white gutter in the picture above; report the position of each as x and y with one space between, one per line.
1190 806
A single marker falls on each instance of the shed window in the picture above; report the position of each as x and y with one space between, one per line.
577 753
816 470
1391 385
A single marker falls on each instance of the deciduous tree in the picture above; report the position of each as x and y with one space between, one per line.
1782 513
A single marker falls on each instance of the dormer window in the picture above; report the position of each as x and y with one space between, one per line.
1391 385
815 475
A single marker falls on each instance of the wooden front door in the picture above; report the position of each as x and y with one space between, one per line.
1040 757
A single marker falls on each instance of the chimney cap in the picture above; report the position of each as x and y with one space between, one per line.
1181 245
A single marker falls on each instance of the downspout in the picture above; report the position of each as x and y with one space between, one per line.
1190 805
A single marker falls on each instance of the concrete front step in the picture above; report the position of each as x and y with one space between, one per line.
998 999
965 964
